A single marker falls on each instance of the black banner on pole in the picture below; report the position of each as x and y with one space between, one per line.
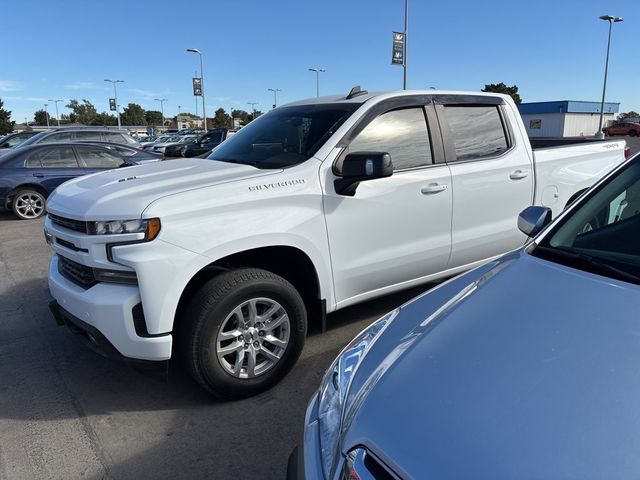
112 104
397 55
197 87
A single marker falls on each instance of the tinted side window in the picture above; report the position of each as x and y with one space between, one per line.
89 136
94 158
57 137
402 134
215 137
17 139
114 137
477 131
59 157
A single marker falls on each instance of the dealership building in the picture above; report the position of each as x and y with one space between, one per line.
565 118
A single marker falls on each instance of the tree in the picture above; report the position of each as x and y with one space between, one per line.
41 117
628 115
132 114
221 119
84 112
245 117
106 119
6 124
502 88
153 117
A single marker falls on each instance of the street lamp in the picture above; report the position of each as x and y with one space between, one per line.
115 95
318 71
161 100
253 109
204 114
611 20
46 114
275 95
56 102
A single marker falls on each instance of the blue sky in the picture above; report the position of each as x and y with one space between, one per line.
551 49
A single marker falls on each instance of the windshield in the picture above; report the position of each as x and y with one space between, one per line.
603 234
285 136
33 140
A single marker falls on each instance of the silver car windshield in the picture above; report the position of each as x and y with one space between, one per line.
603 234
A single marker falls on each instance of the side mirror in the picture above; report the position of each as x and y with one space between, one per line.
532 220
359 167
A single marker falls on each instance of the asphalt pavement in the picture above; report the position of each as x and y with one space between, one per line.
67 413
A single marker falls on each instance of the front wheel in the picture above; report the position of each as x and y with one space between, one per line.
633 133
28 204
242 332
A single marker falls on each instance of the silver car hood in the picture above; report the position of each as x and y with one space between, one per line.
531 369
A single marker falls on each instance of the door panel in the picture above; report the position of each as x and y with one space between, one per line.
492 181
394 229
52 166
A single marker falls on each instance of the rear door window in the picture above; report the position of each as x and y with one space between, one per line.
57 137
89 136
114 137
54 157
477 130
98 158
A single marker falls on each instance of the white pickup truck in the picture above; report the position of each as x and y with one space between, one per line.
315 206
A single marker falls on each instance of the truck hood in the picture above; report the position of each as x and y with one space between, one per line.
532 371
125 193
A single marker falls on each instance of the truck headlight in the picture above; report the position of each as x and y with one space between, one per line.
334 388
150 227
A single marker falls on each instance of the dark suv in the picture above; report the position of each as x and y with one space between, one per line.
81 134
207 142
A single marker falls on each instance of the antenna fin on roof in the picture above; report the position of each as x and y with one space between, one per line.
356 91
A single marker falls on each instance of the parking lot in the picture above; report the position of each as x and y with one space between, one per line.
67 413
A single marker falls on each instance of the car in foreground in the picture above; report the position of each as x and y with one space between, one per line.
15 139
526 367
29 174
623 128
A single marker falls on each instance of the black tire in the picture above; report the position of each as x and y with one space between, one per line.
632 133
28 204
210 310
182 151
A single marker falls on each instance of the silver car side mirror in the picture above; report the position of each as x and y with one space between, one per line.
532 220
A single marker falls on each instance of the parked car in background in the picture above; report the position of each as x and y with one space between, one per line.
623 128
159 139
177 149
182 140
14 139
136 154
526 367
208 142
83 134
312 207
29 174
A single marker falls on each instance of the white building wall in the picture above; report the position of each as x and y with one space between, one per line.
583 124
550 124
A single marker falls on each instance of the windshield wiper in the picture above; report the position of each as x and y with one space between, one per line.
593 264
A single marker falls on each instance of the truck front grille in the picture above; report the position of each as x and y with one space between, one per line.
79 274
69 223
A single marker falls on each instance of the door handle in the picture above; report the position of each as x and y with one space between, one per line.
518 175
38 175
434 188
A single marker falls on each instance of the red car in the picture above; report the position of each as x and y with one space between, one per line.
623 128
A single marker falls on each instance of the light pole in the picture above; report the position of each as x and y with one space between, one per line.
161 100
406 31
611 20
115 95
253 109
46 114
56 102
204 114
275 95
318 71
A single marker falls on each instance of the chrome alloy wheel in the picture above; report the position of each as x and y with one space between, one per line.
253 338
29 205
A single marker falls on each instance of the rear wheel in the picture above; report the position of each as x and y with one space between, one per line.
243 332
632 133
28 204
